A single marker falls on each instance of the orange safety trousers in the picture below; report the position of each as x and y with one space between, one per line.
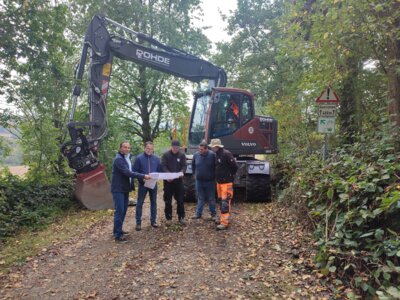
225 193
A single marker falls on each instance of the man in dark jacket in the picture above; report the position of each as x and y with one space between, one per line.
147 163
121 185
225 170
174 161
203 167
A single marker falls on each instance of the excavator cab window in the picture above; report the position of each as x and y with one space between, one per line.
197 129
225 114
247 109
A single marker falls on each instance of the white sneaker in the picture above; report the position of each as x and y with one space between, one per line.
222 227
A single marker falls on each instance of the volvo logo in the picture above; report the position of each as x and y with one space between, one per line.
145 55
249 144
251 130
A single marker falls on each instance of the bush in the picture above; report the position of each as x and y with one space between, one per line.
353 201
28 204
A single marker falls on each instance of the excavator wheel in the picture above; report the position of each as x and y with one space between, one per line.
258 188
189 188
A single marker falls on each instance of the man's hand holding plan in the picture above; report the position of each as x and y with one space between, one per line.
151 183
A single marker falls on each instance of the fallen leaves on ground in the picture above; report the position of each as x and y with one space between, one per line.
265 254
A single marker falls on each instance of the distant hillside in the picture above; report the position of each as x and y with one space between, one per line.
15 158
5 133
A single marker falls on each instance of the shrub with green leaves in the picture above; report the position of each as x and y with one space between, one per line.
28 204
353 201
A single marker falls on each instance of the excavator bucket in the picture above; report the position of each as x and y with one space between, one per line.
92 189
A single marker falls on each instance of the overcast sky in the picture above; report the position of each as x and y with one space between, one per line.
212 18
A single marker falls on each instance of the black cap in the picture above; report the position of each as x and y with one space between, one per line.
175 143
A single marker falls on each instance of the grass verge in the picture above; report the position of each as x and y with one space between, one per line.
18 249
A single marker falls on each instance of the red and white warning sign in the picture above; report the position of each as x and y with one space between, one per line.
328 96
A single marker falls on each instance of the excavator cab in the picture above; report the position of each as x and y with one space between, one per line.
228 114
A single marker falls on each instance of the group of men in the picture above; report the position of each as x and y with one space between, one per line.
212 169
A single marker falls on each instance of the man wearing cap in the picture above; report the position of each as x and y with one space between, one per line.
174 161
225 170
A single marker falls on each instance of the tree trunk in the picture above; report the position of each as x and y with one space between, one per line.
144 106
394 90
349 126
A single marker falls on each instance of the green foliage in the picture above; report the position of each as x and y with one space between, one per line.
353 200
352 46
4 148
35 79
28 204
253 59
288 52
11 154
141 100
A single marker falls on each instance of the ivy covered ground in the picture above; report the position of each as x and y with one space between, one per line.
352 200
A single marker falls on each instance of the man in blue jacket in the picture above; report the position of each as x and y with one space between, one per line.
147 163
121 185
203 167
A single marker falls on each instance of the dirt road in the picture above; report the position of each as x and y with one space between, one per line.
264 255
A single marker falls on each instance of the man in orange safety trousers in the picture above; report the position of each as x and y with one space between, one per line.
225 170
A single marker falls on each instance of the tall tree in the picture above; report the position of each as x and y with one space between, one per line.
252 58
34 77
146 99
349 39
257 59
391 12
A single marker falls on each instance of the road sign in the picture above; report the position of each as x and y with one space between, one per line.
327 111
328 96
326 125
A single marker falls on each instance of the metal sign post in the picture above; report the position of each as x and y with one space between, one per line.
325 147
327 103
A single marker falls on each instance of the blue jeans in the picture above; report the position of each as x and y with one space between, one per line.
121 201
205 190
153 203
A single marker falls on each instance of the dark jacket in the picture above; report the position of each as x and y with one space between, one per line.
226 166
203 166
121 173
173 163
146 164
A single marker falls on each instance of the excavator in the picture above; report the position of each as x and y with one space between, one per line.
218 112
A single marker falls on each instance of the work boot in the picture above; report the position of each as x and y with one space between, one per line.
222 227
182 222
155 225
138 227
196 217
168 223
121 240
